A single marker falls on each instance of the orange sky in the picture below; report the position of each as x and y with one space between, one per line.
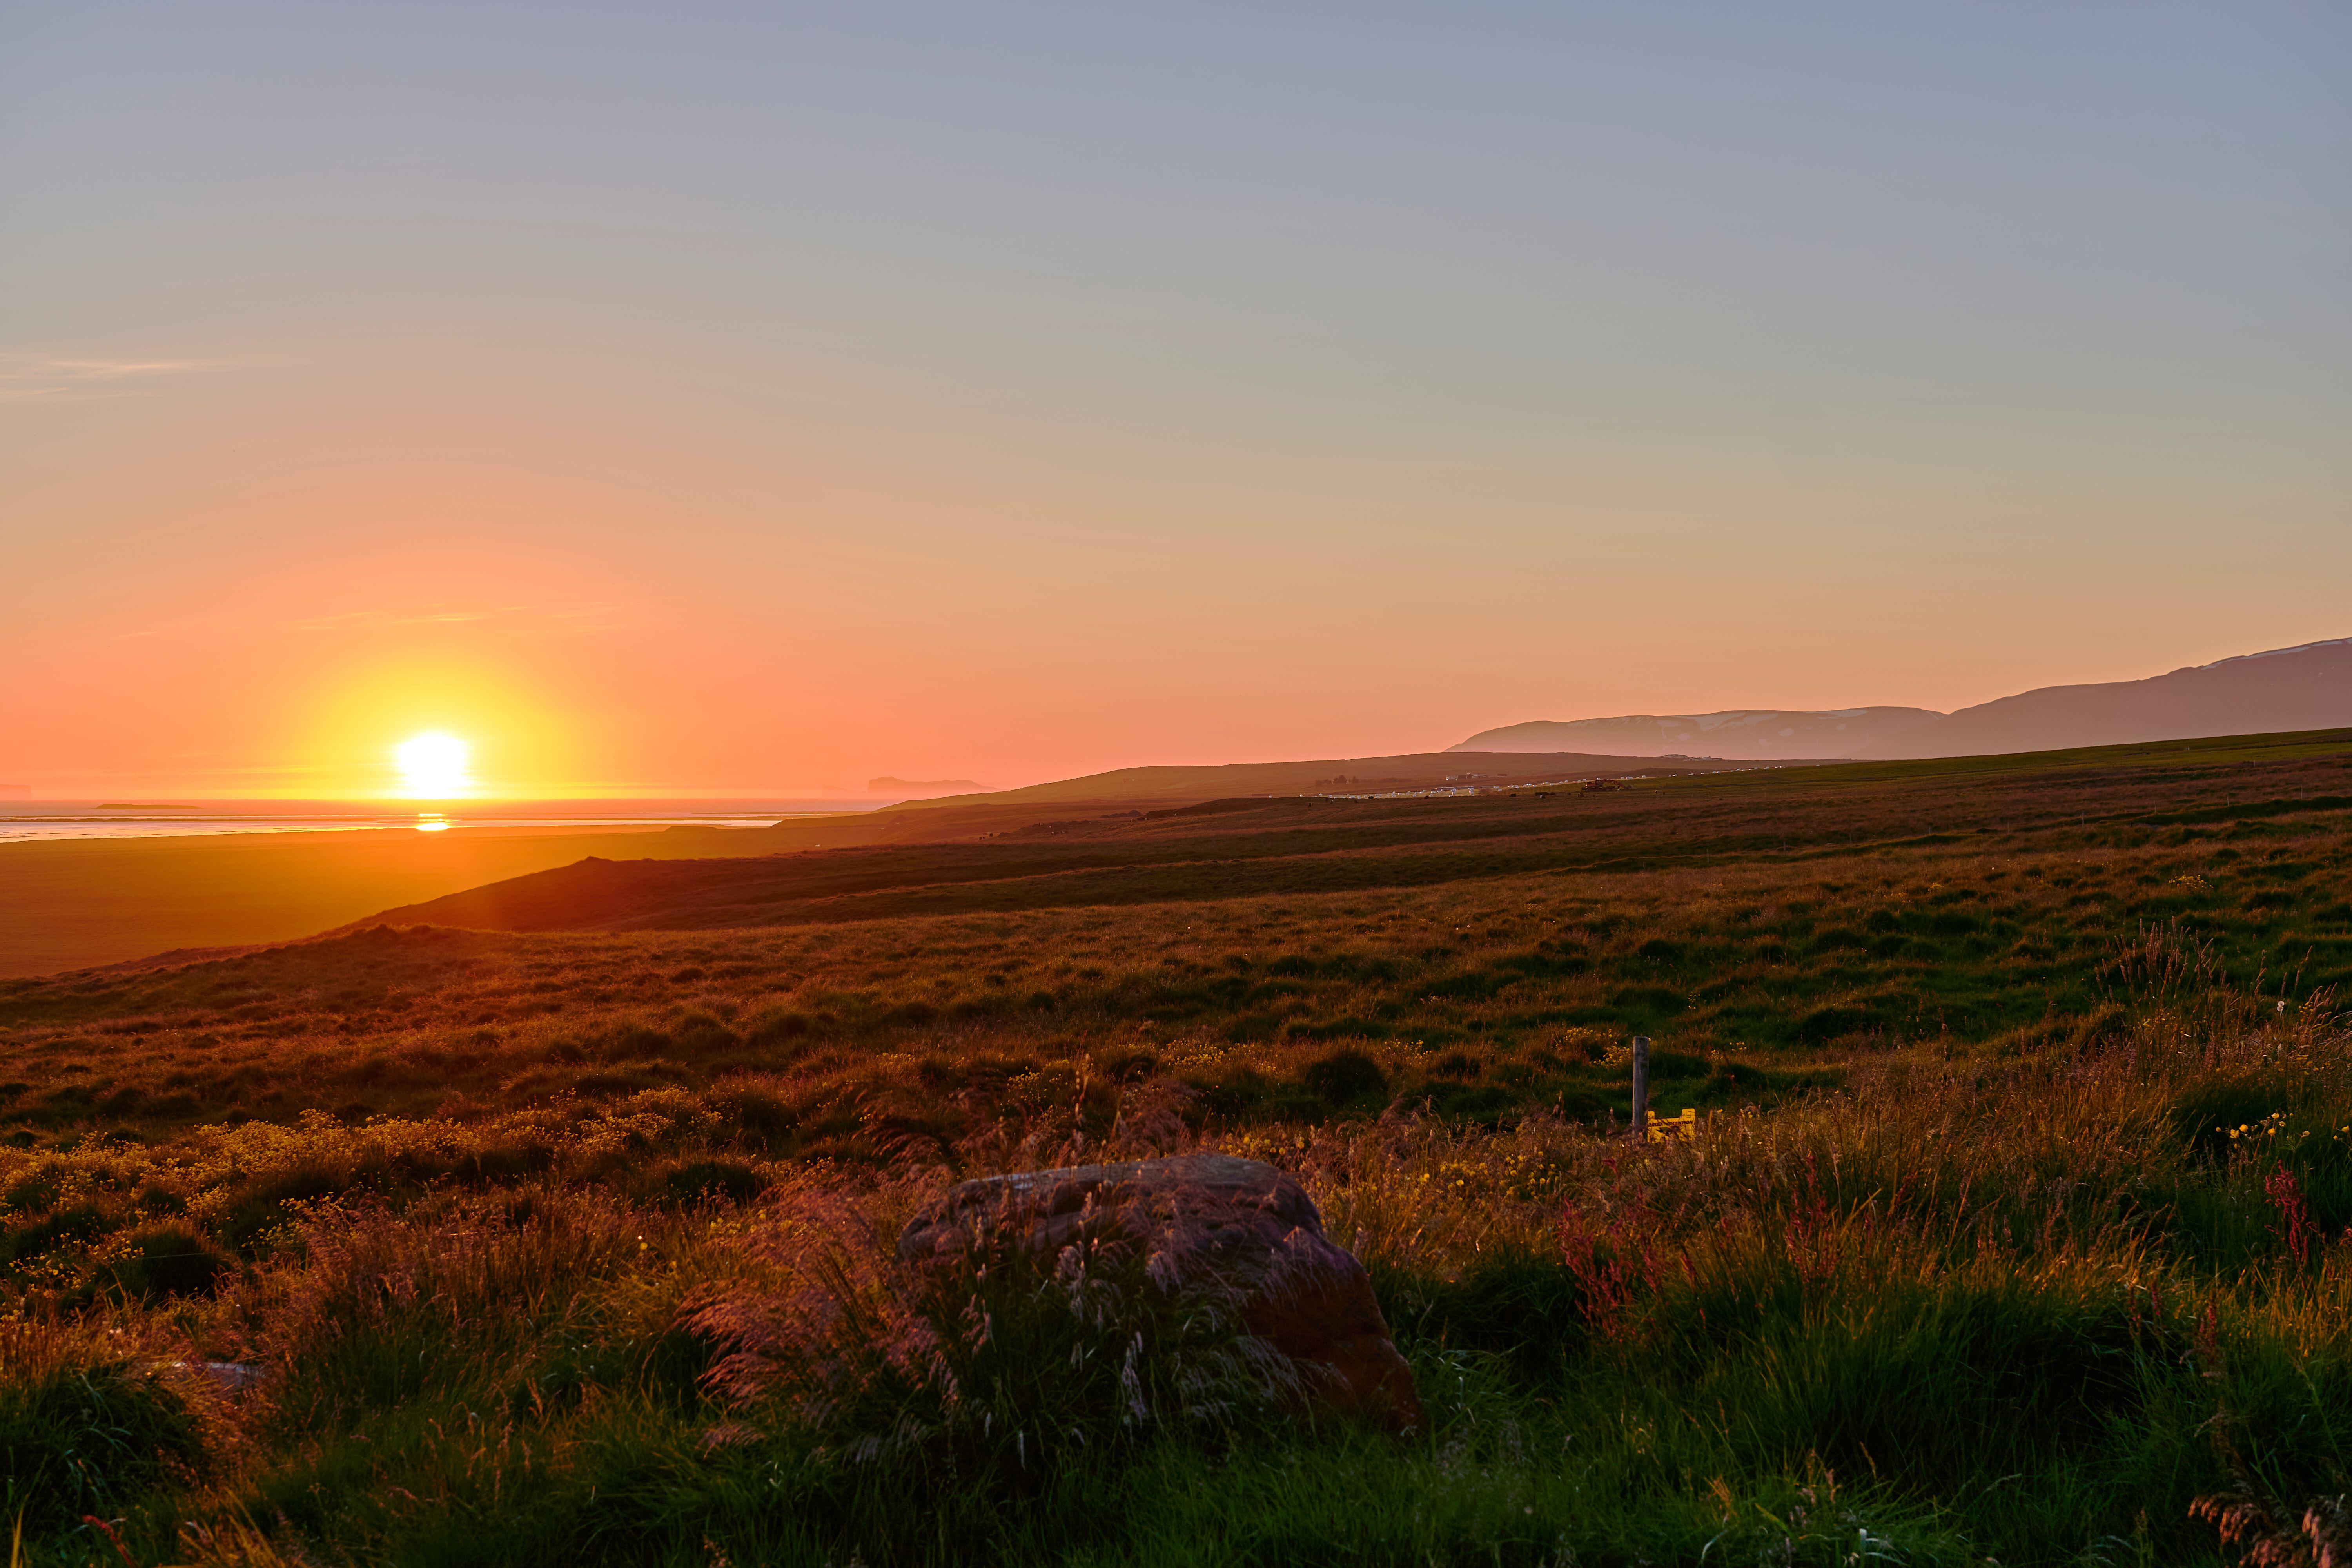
724 452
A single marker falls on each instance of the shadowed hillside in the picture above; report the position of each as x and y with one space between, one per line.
66 903
1419 770
1251 848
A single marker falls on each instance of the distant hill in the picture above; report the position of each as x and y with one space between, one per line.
1011 858
2289 688
921 789
1748 734
1336 775
2304 687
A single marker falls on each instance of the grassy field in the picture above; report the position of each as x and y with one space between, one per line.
2021 1227
69 903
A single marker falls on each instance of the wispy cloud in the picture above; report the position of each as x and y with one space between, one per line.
45 378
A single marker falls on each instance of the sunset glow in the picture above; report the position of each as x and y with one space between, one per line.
434 766
1536 366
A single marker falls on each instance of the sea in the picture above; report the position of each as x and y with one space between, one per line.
30 819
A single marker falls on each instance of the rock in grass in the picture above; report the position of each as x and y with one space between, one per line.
1198 1219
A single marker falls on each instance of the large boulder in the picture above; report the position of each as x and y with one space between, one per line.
1194 1219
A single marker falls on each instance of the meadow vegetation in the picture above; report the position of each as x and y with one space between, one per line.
2020 1225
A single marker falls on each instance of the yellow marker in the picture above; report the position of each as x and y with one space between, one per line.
1663 1128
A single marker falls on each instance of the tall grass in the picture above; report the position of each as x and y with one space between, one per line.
2080 1298
93 1420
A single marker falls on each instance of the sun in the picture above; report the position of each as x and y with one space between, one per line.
434 766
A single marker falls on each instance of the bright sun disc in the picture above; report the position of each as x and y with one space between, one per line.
434 766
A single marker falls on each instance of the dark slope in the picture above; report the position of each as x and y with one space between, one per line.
1288 847
1417 770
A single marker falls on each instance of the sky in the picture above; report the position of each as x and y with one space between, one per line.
729 398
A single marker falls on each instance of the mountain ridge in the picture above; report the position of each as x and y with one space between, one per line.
2305 687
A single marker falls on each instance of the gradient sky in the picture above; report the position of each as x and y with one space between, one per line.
726 397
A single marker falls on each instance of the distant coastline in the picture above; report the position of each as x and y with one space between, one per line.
140 819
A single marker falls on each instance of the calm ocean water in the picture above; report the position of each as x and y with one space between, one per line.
25 819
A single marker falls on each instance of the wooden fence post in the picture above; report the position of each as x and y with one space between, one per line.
1641 1087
